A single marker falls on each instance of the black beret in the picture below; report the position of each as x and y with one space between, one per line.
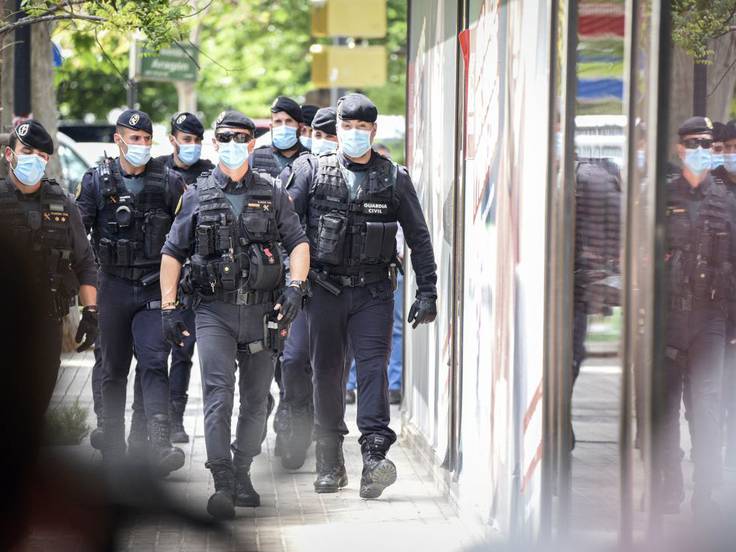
326 120
188 123
730 130
696 125
287 105
719 132
135 120
32 134
234 119
308 113
357 107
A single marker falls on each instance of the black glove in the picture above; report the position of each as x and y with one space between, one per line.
87 329
173 327
289 304
423 311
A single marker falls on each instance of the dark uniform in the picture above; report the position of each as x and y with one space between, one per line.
231 233
699 263
294 417
352 214
47 226
128 217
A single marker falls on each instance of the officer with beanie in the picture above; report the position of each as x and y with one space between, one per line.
355 200
230 226
286 127
308 113
699 256
186 137
128 205
294 416
45 223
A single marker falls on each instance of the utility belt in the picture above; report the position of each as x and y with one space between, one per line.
142 276
680 303
360 279
242 297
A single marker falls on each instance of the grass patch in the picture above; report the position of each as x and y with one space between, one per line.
66 425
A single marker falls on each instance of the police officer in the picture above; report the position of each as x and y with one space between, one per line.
186 137
717 152
355 199
699 257
308 113
294 416
286 127
128 205
230 226
46 224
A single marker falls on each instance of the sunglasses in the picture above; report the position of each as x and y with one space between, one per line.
237 137
693 143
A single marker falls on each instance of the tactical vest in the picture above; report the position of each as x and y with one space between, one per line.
353 237
131 229
263 161
236 256
45 231
698 259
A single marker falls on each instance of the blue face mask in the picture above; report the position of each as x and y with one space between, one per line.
233 155
320 145
29 169
283 137
729 162
717 160
137 155
306 142
354 142
189 153
698 160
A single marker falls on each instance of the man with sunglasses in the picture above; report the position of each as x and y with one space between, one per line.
44 222
699 260
231 226
128 205
286 128
186 137
355 199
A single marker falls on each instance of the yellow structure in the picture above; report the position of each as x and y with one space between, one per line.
355 18
345 67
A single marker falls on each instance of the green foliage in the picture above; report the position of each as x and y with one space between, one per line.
66 425
697 22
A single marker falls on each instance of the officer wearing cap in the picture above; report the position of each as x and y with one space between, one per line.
308 113
700 252
186 137
286 127
355 200
719 136
128 205
294 418
44 221
230 226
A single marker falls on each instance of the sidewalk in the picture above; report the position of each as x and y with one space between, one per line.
411 513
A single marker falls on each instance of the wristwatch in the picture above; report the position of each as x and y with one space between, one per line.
300 284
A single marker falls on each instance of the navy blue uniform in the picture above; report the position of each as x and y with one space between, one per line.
270 160
362 313
129 297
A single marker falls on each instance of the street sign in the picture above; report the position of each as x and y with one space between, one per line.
364 19
345 67
168 64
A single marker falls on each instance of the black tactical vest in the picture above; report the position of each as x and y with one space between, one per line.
43 227
236 256
263 161
131 229
353 236
698 260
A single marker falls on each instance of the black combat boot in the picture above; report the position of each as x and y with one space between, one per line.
378 471
165 457
331 474
138 436
221 505
245 494
294 430
97 436
176 414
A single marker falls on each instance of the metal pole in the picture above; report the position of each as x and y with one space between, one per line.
132 94
700 89
22 67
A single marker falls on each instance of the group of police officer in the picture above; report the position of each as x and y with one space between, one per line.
288 248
